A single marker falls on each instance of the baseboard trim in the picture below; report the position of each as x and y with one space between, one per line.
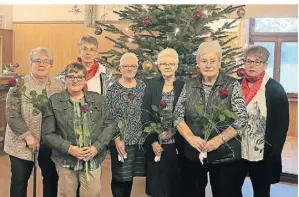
289 178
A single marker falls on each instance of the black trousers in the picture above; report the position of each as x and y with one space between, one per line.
257 173
121 189
21 171
162 178
224 179
189 183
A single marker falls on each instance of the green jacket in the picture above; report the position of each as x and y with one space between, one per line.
58 126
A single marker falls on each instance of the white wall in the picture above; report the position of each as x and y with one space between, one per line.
7 12
28 13
31 13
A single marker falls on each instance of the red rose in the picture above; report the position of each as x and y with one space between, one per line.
131 96
12 82
84 108
194 75
241 72
163 104
223 92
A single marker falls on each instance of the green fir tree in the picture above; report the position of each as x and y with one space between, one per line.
182 27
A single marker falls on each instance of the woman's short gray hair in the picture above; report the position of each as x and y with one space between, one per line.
168 52
75 67
208 47
128 55
89 39
38 51
260 52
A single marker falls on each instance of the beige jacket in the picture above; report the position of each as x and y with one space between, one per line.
20 121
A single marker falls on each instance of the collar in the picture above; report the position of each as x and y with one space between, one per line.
101 68
162 81
38 83
65 96
219 81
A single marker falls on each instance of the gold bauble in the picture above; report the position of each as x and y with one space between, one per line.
147 66
241 12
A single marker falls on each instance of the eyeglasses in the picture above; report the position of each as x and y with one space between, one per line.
39 61
255 62
205 62
72 78
171 64
126 66
88 49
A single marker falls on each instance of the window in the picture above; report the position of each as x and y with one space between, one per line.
276 25
280 37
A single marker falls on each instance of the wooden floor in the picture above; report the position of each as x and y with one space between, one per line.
290 163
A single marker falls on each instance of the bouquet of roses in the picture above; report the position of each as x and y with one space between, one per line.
38 101
82 130
213 121
162 119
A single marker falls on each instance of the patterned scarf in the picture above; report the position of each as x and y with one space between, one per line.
250 92
91 72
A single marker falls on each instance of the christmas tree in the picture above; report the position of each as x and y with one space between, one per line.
181 27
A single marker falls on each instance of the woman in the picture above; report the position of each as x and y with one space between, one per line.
162 177
213 88
124 99
23 134
98 76
268 109
77 125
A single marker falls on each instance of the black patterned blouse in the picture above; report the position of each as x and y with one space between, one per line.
125 104
169 98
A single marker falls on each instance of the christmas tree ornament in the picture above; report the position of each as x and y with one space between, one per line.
98 30
241 12
147 66
200 14
194 75
104 59
241 72
147 21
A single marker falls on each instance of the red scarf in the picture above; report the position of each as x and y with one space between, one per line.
91 72
250 92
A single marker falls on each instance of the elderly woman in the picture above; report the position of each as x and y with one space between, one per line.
98 77
124 99
162 176
210 89
23 132
77 125
268 109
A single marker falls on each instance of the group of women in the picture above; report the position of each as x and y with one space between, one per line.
248 144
